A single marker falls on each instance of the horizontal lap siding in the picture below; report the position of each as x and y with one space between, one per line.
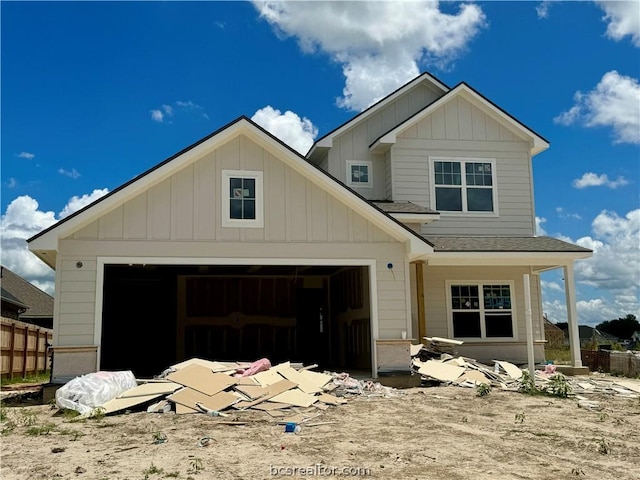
448 133
435 295
393 301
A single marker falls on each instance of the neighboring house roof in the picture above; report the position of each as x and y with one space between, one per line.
538 143
589 333
327 139
550 326
7 297
502 244
39 303
44 244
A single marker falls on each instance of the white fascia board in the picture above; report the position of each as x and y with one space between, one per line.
505 258
415 217
49 240
537 143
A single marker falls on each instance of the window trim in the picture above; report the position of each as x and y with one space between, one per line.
483 328
227 221
463 160
360 163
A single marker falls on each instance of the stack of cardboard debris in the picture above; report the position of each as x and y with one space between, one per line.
203 386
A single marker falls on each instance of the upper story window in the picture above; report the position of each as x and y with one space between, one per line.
359 174
463 185
242 199
481 310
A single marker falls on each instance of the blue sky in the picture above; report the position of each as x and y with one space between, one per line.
95 93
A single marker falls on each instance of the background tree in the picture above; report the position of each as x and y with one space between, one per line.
622 328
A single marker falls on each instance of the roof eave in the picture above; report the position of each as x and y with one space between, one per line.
548 260
415 217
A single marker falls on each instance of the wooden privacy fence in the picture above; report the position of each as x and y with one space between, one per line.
24 348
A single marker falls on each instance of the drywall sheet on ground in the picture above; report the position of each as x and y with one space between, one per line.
155 388
213 366
268 406
189 397
314 378
275 389
268 377
441 371
295 397
331 399
118 404
202 379
415 349
629 384
513 371
473 376
252 391
297 377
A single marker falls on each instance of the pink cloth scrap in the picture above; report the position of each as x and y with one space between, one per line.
257 366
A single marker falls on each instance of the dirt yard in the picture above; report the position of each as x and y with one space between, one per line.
429 433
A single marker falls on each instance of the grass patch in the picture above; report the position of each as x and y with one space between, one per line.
42 377
37 430
558 355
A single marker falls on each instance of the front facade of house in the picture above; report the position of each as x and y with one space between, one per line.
414 219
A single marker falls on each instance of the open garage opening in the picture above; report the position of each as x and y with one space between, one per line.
156 315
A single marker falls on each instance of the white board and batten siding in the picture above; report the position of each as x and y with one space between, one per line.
459 129
180 217
353 144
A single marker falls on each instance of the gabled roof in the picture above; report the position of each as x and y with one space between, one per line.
39 303
538 143
502 244
327 139
47 240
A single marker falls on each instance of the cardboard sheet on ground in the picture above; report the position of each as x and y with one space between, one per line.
295 397
513 371
155 388
441 371
189 397
202 379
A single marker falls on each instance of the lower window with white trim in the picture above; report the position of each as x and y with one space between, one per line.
481 310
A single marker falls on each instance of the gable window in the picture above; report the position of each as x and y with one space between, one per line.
463 185
359 174
242 202
481 310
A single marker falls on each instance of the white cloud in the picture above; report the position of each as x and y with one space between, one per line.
551 286
26 155
168 110
73 173
542 9
590 179
623 18
540 231
562 213
298 133
12 183
75 203
157 116
380 45
614 102
22 220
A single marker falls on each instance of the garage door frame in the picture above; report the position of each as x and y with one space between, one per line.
212 261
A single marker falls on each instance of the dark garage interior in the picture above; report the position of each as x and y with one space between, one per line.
156 315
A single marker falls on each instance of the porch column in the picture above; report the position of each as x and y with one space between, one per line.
422 323
572 317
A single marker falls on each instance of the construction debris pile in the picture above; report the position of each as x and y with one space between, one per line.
438 363
210 387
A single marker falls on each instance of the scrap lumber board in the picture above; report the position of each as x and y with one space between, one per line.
155 388
441 371
295 397
189 397
275 389
202 379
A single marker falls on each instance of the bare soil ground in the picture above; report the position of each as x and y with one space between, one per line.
428 433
